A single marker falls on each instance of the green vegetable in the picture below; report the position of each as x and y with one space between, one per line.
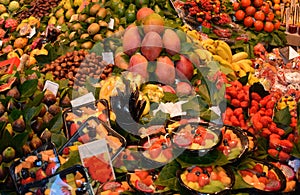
119 10
130 13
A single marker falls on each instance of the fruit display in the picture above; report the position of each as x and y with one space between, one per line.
147 97
206 180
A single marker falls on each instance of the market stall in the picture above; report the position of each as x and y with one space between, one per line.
149 97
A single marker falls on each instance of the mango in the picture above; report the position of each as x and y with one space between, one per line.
131 40
69 14
120 61
94 9
151 45
143 13
171 42
153 22
165 70
138 64
93 28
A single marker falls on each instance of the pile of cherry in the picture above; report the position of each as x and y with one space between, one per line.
254 113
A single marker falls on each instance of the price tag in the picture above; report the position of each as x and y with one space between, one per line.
51 86
111 24
1 42
108 57
32 33
85 99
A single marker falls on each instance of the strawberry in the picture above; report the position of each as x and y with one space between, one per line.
154 151
244 104
280 132
227 122
235 102
232 93
203 180
255 96
66 151
246 172
257 125
253 110
234 121
229 112
51 168
141 174
274 136
270 105
191 177
283 156
274 142
286 145
269 112
73 128
258 168
168 153
40 174
84 138
263 102
265 132
228 97
291 137
273 153
241 96
238 111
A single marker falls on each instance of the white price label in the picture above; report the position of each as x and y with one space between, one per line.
111 24
32 33
85 99
51 86
108 57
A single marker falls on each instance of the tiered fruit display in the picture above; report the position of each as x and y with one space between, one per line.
257 14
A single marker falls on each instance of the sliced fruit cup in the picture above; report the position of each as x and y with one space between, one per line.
252 140
144 181
234 143
290 176
206 180
197 139
94 129
113 187
75 117
264 177
73 180
36 166
128 160
156 150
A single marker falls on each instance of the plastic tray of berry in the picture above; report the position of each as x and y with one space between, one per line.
73 180
74 117
36 166
94 129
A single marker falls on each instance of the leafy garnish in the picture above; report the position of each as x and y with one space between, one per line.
167 176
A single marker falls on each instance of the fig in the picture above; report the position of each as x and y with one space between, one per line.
14 93
8 154
46 135
11 105
65 102
35 142
19 125
4 117
43 111
49 98
26 149
37 125
47 117
2 109
54 109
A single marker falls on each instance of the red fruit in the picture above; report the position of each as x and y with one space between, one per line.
191 177
11 24
40 174
143 13
235 103
229 112
280 132
168 153
232 143
209 136
235 121
287 171
269 112
248 21
73 128
27 180
263 180
196 169
270 105
255 96
245 173
235 6
238 111
258 168
274 143
51 168
155 150
272 185
141 174
84 138
245 3
184 68
286 145
273 153
257 125
233 93
148 180
226 150
258 3
203 180
271 175
244 104
143 187
66 151
239 15
291 137
250 10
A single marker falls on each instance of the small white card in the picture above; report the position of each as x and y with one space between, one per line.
51 86
1 42
111 24
32 33
85 99
108 57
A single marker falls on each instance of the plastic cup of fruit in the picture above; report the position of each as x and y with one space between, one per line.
206 180
265 178
197 139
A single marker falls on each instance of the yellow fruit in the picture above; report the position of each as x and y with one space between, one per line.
20 42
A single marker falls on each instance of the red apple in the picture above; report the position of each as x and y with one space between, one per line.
184 68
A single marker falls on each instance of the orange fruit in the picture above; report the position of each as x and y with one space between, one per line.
269 27
277 24
276 1
259 16
265 8
276 7
258 25
258 3
250 11
245 3
248 21
235 6
278 13
270 16
239 15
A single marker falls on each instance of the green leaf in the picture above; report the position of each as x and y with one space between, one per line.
36 101
74 159
175 57
56 124
19 140
8 139
185 47
169 97
167 176
283 117
28 88
204 93
240 183
32 112
58 139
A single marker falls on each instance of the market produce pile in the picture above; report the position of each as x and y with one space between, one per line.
122 96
